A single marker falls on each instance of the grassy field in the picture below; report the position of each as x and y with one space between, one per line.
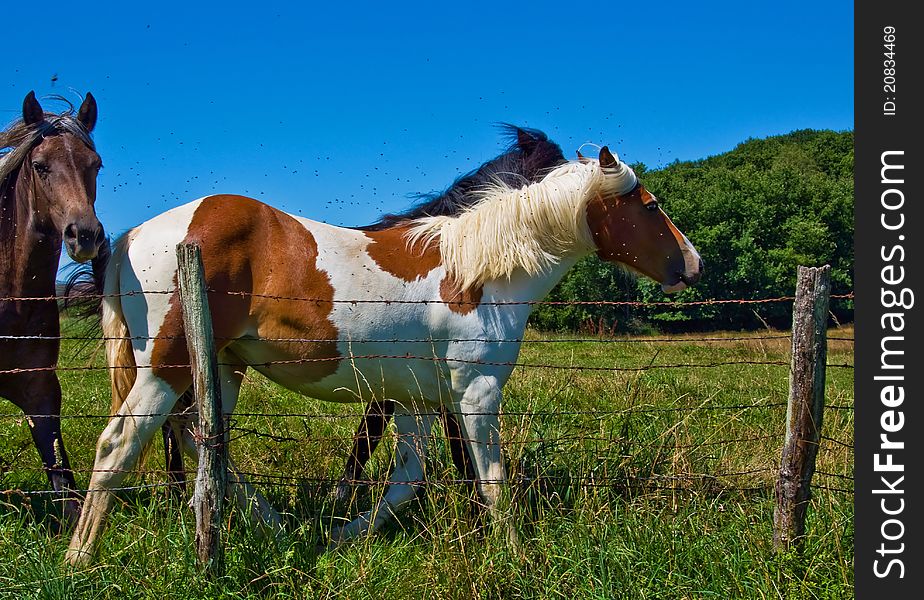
651 484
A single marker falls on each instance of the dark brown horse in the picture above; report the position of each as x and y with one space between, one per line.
48 168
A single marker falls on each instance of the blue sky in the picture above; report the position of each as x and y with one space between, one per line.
338 111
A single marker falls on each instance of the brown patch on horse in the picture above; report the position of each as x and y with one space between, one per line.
167 350
241 241
627 230
458 300
390 251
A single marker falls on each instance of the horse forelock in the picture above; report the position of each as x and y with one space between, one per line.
19 139
618 180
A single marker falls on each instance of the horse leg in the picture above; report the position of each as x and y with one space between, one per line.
457 447
479 411
461 458
367 438
406 478
174 460
117 451
249 499
173 451
40 400
252 503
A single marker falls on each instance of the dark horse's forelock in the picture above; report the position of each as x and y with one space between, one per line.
17 140
530 154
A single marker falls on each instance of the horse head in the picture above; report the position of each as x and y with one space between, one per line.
60 171
629 227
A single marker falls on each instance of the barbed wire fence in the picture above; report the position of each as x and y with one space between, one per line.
613 439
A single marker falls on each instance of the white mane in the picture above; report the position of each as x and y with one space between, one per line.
530 228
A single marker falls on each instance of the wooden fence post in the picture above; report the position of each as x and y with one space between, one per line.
211 478
806 405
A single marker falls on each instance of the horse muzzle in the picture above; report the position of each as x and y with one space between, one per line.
82 241
684 279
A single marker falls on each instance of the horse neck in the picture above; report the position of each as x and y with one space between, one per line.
522 287
29 250
522 290
530 229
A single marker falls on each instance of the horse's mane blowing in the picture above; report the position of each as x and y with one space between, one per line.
521 227
529 155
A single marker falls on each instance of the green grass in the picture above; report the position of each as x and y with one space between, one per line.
655 484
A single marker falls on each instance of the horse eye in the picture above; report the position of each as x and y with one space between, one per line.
40 168
653 205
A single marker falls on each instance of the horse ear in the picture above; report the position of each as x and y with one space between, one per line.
526 141
607 159
87 113
581 157
32 112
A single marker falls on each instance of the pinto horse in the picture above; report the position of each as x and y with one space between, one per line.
48 168
529 155
374 315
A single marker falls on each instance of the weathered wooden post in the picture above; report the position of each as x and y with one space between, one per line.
211 478
806 405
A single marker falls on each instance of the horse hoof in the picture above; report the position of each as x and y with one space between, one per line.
336 537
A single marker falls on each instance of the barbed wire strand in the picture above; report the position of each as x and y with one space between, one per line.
601 414
592 481
838 442
318 300
587 339
436 359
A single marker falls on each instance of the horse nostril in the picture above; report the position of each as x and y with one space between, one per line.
70 232
691 279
